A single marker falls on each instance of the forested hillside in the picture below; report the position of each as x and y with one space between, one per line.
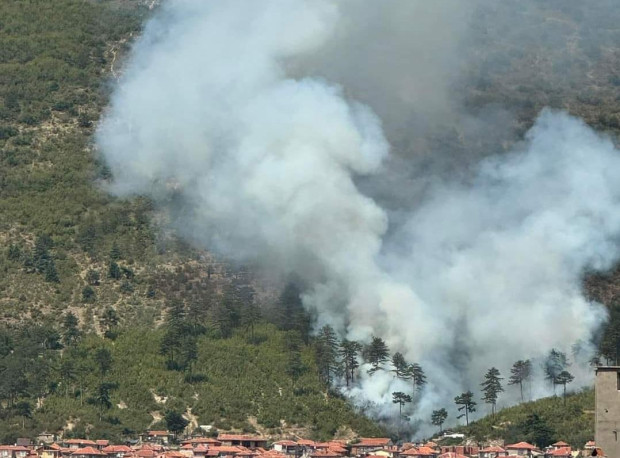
541 422
109 323
86 278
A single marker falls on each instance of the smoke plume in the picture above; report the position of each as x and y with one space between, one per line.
236 108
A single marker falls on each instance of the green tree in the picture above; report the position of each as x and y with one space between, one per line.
109 321
537 431
376 354
115 252
93 277
88 294
175 422
290 312
467 405
327 354
400 365
400 398
51 275
349 351
554 364
415 373
103 359
114 271
250 316
564 378
188 352
68 373
491 387
71 334
23 409
438 418
521 371
103 398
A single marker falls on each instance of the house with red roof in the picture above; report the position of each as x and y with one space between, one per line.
451 455
287 447
368 445
87 452
492 452
522 449
157 437
562 452
243 440
117 451
196 441
75 444
14 451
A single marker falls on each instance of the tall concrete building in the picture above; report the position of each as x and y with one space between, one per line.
607 392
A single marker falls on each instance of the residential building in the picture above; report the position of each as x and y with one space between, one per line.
243 440
369 445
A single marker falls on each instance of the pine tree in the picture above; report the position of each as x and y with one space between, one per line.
71 333
51 275
188 352
103 359
114 271
555 363
109 321
115 252
176 328
327 354
291 314
564 378
93 277
103 398
466 401
400 366
88 294
250 316
438 418
349 351
294 367
376 353
521 372
415 373
491 387
400 398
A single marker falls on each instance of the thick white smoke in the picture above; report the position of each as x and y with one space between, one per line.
484 273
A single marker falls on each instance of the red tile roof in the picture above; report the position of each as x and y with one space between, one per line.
373 442
201 440
87 451
521 446
451 455
560 444
80 442
425 451
102 442
494 448
240 437
562 451
306 442
325 454
116 449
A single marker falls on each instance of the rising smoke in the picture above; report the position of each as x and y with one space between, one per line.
230 105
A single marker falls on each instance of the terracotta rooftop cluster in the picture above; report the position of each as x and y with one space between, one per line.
155 445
